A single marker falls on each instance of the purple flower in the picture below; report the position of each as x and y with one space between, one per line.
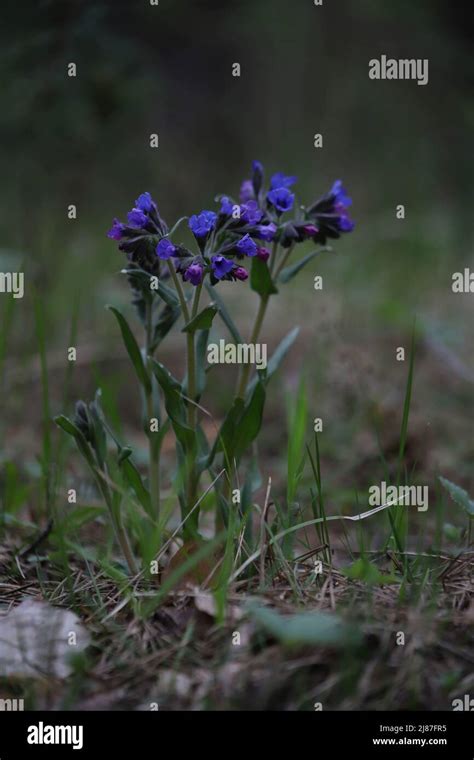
201 224
240 273
340 196
246 191
137 218
281 198
247 246
165 249
221 266
263 253
345 223
257 177
281 180
193 274
310 229
116 231
250 212
227 206
144 202
266 232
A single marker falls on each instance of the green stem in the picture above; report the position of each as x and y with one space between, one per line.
273 256
262 308
192 480
153 439
244 376
197 296
284 260
179 290
119 530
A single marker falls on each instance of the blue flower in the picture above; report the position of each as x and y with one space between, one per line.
246 191
145 202
257 177
247 246
281 198
329 214
201 224
281 180
116 231
266 231
137 218
250 212
345 223
165 249
193 274
227 206
221 266
339 193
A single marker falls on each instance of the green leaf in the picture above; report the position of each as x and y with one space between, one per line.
202 321
168 295
240 427
100 438
134 480
459 495
260 278
250 423
296 442
224 314
288 273
308 628
132 349
201 348
69 427
138 277
166 319
226 433
275 360
174 404
363 570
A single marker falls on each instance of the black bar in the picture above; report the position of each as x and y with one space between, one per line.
223 734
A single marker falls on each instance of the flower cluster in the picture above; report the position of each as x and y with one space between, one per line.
235 231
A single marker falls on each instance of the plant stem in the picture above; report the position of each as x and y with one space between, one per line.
179 290
273 256
283 261
191 379
262 308
253 338
153 441
120 532
197 296
192 409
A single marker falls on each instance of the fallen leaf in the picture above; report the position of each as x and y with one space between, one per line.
37 640
308 628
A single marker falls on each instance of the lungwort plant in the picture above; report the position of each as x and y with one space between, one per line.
251 239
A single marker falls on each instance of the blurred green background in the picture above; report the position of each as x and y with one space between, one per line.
143 69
